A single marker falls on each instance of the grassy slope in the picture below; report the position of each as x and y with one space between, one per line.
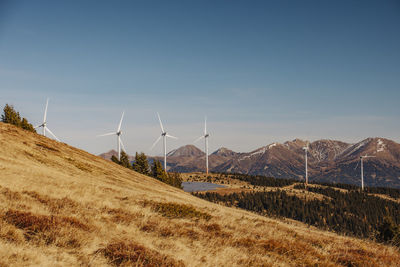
63 206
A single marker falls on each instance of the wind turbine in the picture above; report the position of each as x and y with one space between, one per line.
164 136
306 151
362 169
205 136
44 123
118 134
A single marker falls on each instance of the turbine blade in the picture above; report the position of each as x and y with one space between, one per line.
159 119
205 125
198 139
120 122
170 136
47 129
155 143
45 110
40 125
105 134
122 144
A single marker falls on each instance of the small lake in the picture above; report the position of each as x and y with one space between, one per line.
199 186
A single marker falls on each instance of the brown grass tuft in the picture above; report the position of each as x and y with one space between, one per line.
10 233
79 165
10 195
55 205
354 257
47 229
37 223
43 145
149 226
132 254
121 216
175 210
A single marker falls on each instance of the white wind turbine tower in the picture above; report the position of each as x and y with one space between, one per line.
362 169
118 134
164 136
205 136
44 123
306 151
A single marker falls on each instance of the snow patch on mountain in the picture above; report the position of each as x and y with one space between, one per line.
258 152
272 145
380 146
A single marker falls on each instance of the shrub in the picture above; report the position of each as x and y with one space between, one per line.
132 254
47 230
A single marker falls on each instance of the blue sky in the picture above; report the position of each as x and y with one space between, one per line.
262 71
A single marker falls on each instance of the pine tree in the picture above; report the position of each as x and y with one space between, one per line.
157 171
175 179
141 165
11 116
114 159
27 126
124 160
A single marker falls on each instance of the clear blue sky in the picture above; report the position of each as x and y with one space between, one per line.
262 71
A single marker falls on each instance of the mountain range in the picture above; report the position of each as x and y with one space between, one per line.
328 161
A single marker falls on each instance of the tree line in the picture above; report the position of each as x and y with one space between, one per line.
389 191
352 213
12 117
141 165
260 180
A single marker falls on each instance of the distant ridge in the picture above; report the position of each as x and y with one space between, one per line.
329 161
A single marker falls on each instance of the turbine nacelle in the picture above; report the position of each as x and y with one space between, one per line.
118 134
44 123
163 136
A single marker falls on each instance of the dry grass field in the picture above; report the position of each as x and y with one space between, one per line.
61 206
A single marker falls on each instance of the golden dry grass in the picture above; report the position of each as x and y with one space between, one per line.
61 206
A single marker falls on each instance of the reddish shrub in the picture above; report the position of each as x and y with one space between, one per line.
131 254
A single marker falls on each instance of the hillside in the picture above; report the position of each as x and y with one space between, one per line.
63 206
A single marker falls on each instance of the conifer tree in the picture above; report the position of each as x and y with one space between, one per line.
157 171
27 126
141 164
114 159
175 179
124 160
11 116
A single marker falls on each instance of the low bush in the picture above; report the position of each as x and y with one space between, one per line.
121 253
45 229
